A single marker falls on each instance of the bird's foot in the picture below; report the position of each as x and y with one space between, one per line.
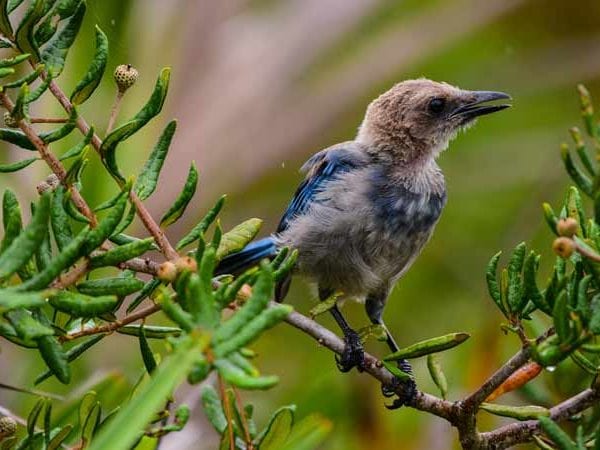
406 386
353 355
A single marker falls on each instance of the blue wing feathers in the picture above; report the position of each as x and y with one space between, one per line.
251 255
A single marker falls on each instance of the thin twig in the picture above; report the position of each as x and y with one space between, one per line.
227 411
47 120
114 111
238 399
112 326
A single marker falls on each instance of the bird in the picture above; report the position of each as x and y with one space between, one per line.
367 207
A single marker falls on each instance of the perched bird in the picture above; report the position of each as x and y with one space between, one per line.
368 206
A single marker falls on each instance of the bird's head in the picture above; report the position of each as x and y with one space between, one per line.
416 119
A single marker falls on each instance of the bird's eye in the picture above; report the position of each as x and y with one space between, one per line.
436 105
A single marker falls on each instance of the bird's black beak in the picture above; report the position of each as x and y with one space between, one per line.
473 106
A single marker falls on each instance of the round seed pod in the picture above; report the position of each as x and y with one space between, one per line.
567 227
563 247
186 263
8 426
167 271
125 76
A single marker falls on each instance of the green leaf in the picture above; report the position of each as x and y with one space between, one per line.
79 305
10 300
254 328
27 328
433 345
150 110
239 378
125 428
150 331
24 37
25 245
55 52
13 167
516 412
19 111
262 292
79 147
61 228
203 225
5 26
110 286
578 177
16 138
73 353
90 81
278 429
492 282
515 286
147 290
55 358
147 355
33 416
9 62
594 324
560 315
235 240
59 437
324 305
558 436
108 224
178 207
308 434
148 178
11 219
64 259
213 408
122 253
437 374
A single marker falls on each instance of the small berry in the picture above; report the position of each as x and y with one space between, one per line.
43 187
567 227
186 263
8 426
53 180
167 271
125 76
10 121
563 247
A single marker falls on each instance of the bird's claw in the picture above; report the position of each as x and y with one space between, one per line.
353 355
407 386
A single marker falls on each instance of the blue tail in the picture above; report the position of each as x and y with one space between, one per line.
251 255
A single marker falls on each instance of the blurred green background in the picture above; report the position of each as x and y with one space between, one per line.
259 85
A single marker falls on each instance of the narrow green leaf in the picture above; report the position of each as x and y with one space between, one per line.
9 62
235 240
515 286
55 358
278 429
55 52
594 324
90 81
433 345
24 37
79 147
79 305
11 219
150 110
23 247
558 436
61 228
239 378
5 26
324 305
213 408
178 207
19 111
262 292
308 434
10 300
203 225
130 421
148 177
27 328
578 177
64 259
147 290
90 423
492 282
150 331
437 374
110 286
27 78
108 224
6 72
33 416
516 412
59 437
265 320
122 253
17 138
147 355
560 315
13 167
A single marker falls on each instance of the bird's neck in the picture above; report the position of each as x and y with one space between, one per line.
406 163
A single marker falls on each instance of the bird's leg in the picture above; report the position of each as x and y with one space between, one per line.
354 354
374 306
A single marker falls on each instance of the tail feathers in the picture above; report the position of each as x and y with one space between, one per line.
251 255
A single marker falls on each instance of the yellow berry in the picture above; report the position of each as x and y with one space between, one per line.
167 271
186 263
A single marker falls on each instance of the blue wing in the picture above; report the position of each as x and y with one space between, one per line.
323 167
